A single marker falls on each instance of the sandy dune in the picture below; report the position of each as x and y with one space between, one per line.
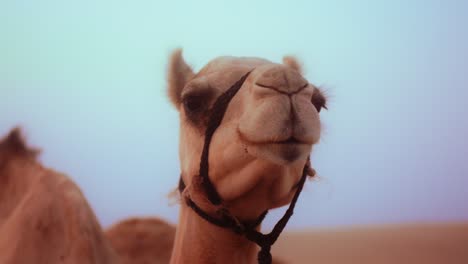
426 244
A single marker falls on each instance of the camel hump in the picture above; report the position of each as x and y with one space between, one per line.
15 144
142 240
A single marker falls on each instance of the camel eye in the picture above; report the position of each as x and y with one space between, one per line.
319 101
196 104
193 104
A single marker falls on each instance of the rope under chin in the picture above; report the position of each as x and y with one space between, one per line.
223 217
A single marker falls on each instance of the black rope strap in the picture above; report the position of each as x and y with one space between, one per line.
265 241
217 114
248 229
223 217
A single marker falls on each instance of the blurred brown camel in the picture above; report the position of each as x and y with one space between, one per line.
44 217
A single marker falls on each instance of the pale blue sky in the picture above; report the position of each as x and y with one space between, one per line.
85 79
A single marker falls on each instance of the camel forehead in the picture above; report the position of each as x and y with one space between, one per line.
220 73
228 63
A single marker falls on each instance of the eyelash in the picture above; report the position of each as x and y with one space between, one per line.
319 101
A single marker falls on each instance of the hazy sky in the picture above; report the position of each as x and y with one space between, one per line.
86 80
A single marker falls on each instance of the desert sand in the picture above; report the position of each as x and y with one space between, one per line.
395 244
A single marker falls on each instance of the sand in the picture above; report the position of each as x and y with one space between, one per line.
426 244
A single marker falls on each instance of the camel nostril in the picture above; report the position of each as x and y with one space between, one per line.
266 86
281 90
275 88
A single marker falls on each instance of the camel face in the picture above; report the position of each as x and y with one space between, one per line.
278 122
259 150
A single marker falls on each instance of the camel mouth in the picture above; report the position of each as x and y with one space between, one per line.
290 141
281 151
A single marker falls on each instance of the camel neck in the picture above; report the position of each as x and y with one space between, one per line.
198 241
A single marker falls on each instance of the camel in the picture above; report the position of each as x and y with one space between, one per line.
257 154
44 217
142 240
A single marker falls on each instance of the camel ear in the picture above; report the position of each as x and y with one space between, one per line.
293 63
14 143
178 75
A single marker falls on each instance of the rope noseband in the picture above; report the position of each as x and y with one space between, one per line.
224 218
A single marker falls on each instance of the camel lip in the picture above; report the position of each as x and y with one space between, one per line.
290 141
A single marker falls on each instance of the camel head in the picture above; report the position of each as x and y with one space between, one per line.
258 152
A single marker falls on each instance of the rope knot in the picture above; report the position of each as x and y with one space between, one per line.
264 256
236 225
